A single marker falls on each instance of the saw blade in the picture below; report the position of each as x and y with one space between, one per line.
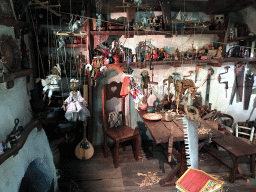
190 129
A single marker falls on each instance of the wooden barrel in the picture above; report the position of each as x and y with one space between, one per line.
55 153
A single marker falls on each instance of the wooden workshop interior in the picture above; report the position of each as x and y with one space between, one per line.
127 95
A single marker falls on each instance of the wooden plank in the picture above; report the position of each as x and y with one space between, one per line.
155 32
45 7
48 6
93 173
72 34
129 169
21 141
12 22
157 129
235 145
11 76
106 185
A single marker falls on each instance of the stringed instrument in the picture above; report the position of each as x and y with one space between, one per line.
84 150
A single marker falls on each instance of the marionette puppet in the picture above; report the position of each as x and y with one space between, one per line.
50 83
76 105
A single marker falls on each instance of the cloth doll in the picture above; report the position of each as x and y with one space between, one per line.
76 105
114 119
50 83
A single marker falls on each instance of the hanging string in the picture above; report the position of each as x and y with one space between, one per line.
37 43
48 37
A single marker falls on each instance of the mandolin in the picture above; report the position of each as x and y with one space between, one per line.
84 150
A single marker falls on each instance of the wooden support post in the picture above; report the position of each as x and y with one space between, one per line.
89 45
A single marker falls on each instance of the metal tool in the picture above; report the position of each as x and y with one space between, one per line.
207 96
197 70
152 69
190 73
224 82
190 129
16 133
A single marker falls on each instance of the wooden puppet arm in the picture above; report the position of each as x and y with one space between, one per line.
64 106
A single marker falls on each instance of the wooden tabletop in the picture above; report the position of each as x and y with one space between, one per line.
161 129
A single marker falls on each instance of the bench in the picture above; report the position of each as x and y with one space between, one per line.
236 148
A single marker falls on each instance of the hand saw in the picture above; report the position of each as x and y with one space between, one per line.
190 129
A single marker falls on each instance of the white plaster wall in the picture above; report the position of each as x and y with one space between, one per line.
35 149
14 102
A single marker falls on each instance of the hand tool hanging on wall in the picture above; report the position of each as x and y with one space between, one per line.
249 81
145 79
207 96
238 83
197 70
190 73
151 68
224 82
170 81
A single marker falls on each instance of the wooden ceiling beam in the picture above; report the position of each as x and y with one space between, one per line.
42 5
226 6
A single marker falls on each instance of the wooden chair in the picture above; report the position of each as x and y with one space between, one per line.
121 133
247 132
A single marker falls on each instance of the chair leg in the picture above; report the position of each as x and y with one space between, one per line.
252 165
124 146
105 149
136 147
116 159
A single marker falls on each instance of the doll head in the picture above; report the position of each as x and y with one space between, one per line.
56 70
74 84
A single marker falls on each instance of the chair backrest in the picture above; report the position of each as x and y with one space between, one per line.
245 131
110 91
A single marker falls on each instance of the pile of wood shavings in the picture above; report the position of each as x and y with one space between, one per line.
203 131
150 179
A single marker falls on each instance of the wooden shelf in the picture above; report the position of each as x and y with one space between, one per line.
21 141
84 46
154 32
12 22
11 76
243 38
178 63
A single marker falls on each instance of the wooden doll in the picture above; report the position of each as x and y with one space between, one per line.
50 83
76 105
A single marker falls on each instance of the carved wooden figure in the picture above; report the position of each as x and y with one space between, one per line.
181 87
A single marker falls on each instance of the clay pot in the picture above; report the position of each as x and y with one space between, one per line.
143 107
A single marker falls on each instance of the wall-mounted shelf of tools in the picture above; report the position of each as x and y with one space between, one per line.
212 62
166 33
